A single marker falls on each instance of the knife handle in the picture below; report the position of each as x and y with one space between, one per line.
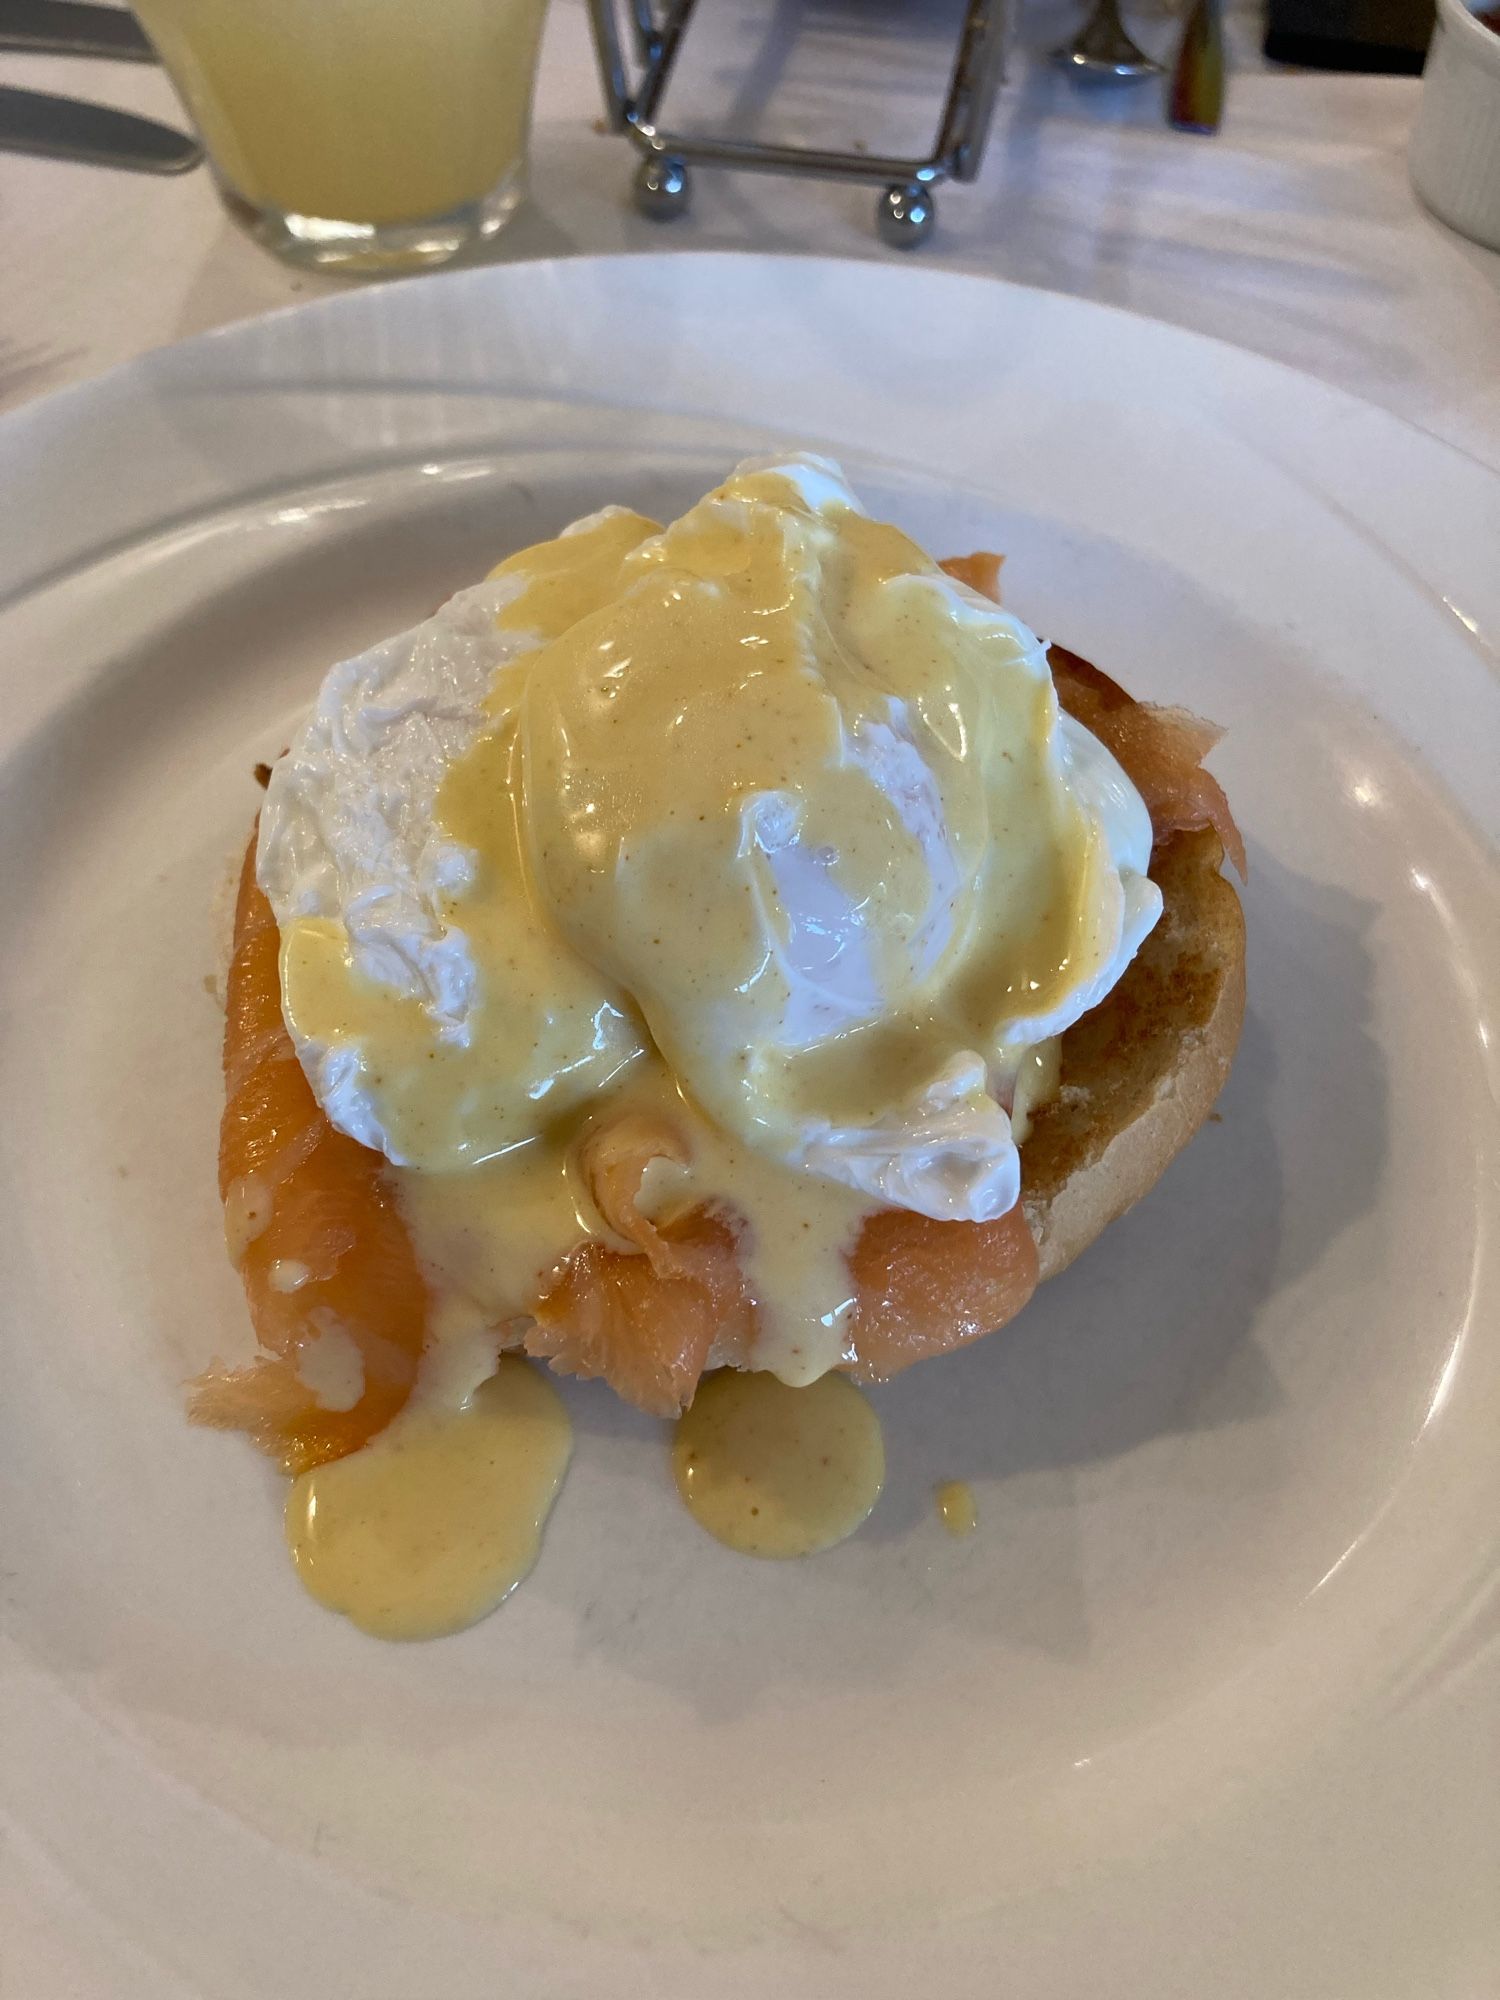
73 28
1195 94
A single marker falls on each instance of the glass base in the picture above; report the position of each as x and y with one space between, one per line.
319 243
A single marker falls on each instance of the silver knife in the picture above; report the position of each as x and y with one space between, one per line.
65 128
73 28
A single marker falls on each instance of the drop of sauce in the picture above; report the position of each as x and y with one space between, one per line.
437 1519
955 1505
775 1471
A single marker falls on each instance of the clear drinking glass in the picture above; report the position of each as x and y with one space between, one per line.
358 134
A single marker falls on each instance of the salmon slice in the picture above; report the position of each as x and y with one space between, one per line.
324 1252
1160 750
980 571
645 1319
648 1319
647 1330
925 1287
921 1289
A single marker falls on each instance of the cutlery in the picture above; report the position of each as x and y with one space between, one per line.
1195 95
72 28
1103 51
64 128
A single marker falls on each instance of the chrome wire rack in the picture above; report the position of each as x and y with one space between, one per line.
905 208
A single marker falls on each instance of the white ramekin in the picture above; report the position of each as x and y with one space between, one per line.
1457 137
1455 143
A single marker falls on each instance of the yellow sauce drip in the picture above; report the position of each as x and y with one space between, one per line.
435 1521
774 1471
494 1234
956 1509
799 1229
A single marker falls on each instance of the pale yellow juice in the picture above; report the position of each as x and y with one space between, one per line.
370 111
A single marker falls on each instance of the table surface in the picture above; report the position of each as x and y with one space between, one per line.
1293 232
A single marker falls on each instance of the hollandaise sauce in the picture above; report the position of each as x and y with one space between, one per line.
956 1508
771 1470
437 1519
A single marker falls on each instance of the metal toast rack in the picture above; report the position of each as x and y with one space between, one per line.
663 184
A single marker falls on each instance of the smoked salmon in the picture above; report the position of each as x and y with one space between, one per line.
322 1250
648 1321
1160 750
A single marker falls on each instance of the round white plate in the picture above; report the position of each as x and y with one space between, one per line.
1208 1704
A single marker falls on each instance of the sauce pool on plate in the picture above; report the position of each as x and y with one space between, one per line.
777 1471
437 1519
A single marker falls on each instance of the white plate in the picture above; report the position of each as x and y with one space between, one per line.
1208 1705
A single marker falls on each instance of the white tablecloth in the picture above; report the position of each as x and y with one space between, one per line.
1294 231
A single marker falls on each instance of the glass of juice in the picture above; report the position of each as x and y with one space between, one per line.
355 135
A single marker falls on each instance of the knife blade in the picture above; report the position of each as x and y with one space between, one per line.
73 28
65 128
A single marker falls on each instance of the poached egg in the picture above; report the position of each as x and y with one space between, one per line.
761 808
